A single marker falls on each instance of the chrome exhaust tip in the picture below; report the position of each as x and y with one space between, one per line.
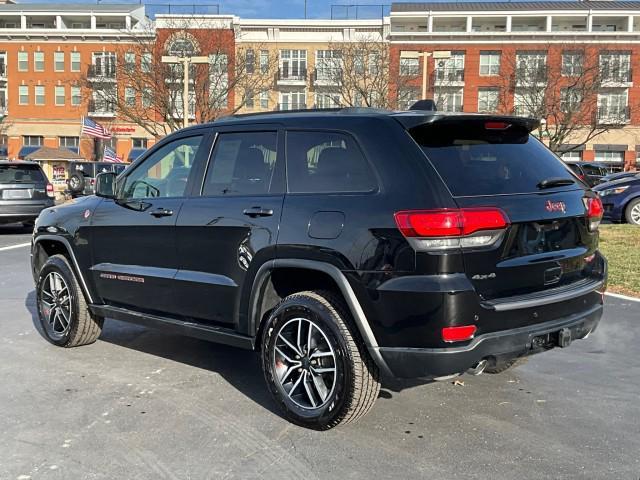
479 367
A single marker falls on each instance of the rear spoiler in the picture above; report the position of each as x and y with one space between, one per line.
413 119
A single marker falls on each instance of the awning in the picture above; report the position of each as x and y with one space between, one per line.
24 151
73 149
135 153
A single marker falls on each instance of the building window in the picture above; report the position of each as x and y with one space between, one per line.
75 61
488 99
139 142
293 64
613 107
72 143
448 99
130 61
573 155
531 68
615 67
60 94
407 97
328 65
450 69
327 100
147 96
23 61
570 100
409 66
76 96
293 100
31 141
572 64
250 61
145 62
264 99
38 61
248 99
614 160
489 63
58 60
104 64
130 96
264 61
23 95
39 94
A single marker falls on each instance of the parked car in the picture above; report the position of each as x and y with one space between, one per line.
617 176
82 175
342 245
590 172
621 199
24 192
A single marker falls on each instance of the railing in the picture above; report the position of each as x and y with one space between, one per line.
615 76
444 75
101 72
291 106
328 75
290 74
613 115
522 111
104 108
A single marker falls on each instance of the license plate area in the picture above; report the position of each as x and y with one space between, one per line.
561 338
16 194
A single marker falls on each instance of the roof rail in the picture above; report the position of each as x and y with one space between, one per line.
347 110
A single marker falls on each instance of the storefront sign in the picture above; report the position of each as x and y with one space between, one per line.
121 130
59 174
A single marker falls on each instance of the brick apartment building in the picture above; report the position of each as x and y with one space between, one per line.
55 60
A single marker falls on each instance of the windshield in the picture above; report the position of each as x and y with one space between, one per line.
20 174
474 161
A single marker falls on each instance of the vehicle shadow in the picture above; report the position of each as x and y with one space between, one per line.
240 368
15 229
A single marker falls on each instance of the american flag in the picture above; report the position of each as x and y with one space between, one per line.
94 129
110 156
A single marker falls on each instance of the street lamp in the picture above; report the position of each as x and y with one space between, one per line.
185 61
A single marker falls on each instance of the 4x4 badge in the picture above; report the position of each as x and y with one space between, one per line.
555 206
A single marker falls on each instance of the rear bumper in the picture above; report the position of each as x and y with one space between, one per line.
28 209
439 362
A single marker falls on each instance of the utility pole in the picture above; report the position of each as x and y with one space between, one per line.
305 9
186 61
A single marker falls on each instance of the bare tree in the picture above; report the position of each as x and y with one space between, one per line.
563 93
139 88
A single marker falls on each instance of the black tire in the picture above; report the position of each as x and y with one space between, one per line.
355 386
502 366
76 183
83 327
631 211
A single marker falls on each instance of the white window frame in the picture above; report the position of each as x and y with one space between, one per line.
75 60
490 102
490 63
38 57
36 89
23 91
56 61
76 93
23 61
57 90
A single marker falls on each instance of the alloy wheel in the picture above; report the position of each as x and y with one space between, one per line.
304 363
55 305
635 214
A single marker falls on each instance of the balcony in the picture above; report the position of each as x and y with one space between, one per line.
327 77
291 106
615 78
100 73
613 115
291 76
101 109
3 72
453 77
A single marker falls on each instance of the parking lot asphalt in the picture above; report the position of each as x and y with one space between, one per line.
140 404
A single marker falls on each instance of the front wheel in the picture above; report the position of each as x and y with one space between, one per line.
632 212
315 363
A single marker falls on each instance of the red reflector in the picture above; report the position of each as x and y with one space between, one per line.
496 125
595 208
49 187
458 334
449 223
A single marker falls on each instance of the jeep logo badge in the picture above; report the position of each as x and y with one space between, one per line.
555 206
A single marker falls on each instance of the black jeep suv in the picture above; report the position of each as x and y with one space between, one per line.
343 245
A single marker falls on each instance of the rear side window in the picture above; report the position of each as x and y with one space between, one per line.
21 174
475 161
242 164
324 162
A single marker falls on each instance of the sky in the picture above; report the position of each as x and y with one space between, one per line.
260 8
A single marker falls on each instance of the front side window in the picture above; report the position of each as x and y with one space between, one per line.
323 162
165 172
242 164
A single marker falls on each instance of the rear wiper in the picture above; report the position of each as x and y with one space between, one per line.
555 182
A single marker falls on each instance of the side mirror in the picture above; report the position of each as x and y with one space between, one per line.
106 185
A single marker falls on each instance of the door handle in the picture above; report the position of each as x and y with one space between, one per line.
161 212
254 212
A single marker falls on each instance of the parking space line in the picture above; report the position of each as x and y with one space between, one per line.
11 247
622 297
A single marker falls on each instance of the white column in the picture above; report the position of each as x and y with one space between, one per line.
93 22
127 22
630 24
23 22
469 24
549 22
589 23
430 24
508 29
58 22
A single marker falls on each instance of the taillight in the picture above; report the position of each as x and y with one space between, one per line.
50 192
595 210
455 228
496 125
458 334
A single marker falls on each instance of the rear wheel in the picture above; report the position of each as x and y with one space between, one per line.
64 316
315 364
76 183
632 212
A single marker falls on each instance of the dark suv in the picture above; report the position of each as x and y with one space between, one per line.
82 175
342 245
24 192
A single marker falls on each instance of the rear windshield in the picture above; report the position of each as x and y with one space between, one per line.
475 161
20 174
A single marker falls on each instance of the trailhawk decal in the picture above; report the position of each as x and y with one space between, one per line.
124 278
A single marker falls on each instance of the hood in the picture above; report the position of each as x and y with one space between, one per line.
621 182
